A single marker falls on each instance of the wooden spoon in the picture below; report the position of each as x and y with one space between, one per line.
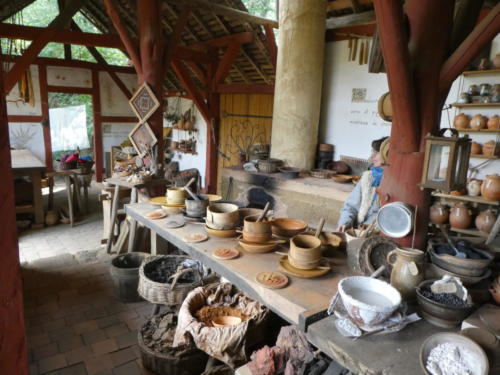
320 228
186 187
264 213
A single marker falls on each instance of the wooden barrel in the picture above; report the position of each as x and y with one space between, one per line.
124 271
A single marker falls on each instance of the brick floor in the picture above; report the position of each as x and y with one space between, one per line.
75 324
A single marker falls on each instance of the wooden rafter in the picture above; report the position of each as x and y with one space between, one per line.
12 8
226 11
272 47
37 45
67 47
227 62
234 88
224 41
482 34
351 20
188 83
174 39
344 4
129 43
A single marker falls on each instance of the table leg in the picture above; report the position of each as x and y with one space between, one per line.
86 196
36 178
76 183
133 223
51 193
67 180
158 244
114 209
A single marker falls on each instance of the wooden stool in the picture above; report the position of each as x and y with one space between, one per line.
72 192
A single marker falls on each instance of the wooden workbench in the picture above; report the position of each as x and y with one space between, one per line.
24 163
299 303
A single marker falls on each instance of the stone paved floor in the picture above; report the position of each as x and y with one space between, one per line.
62 238
75 325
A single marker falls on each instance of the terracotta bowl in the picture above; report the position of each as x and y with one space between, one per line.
225 321
251 225
257 237
221 233
286 227
258 248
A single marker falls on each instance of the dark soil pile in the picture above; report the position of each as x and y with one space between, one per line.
448 299
161 269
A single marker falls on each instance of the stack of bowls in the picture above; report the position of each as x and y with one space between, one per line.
305 252
222 216
258 232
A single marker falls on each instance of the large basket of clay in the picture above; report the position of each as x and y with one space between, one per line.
155 340
167 279
223 322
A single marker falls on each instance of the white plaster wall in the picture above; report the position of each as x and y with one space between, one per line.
351 126
16 107
114 133
113 100
187 161
28 136
74 77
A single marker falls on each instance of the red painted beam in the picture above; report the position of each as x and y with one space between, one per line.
226 62
175 38
14 349
24 118
223 41
124 89
129 43
241 88
199 72
394 43
188 83
44 101
272 47
96 108
185 53
336 35
482 34
70 89
37 45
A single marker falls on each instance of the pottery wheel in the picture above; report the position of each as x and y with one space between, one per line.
272 280
373 254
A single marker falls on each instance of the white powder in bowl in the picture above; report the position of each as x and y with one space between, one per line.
451 359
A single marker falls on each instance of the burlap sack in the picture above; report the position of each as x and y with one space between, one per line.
233 344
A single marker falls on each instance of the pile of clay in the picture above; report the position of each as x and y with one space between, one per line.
207 313
451 359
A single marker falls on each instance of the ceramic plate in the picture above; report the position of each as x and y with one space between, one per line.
272 280
157 214
306 274
195 237
226 254
174 223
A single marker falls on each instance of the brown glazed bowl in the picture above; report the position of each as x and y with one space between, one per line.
286 227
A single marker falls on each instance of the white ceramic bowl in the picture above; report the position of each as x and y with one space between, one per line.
368 301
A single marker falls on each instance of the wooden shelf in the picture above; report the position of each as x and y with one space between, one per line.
183 152
484 131
466 198
476 105
470 232
480 156
480 72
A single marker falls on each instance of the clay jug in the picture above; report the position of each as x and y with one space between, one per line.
439 214
490 148
461 121
476 148
485 221
460 216
407 270
496 61
474 187
493 123
478 122
490 189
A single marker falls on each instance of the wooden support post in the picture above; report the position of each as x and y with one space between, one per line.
37 45
272 48
227 62
213 102
44 99
152 52
128 42
96 108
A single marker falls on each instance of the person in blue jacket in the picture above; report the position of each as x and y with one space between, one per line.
362 205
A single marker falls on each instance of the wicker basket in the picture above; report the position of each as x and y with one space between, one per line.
64 166
170 293
188 362
85 167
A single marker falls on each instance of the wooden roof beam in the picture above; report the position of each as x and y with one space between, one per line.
12 7
226 40
130 44
38 43
174 39
344 4
227 62
235 88
350 20
480 36
271 45
228 12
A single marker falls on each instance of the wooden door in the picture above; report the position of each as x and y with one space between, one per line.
246 119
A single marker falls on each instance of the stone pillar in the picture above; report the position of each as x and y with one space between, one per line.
299 76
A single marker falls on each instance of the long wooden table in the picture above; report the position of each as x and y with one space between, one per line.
301 302
24 163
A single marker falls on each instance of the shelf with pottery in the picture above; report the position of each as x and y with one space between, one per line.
183 151
469 232
467 198
482 131
476 105
480 72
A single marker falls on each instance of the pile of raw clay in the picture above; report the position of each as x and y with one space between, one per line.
451 359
